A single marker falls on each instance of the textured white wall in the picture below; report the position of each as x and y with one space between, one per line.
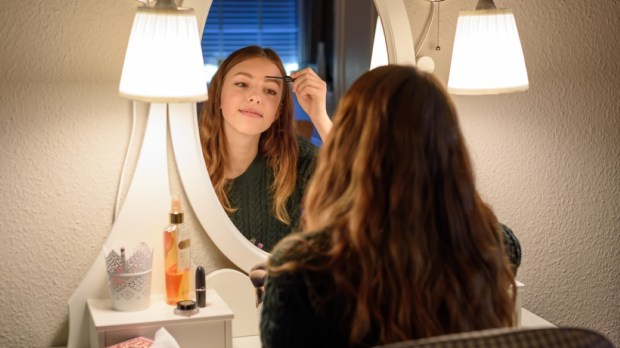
547 160
63 135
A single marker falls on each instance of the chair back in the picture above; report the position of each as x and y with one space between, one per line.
511 337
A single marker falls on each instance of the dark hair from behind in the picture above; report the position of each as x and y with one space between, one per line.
392 213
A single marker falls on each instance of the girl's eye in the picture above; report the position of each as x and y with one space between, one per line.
271 92
241 84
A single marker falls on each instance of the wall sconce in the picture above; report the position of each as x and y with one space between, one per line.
163 62
163 66
487 57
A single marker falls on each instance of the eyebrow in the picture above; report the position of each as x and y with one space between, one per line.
244 74
277 82
267 78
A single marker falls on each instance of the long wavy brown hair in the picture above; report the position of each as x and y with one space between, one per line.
393 216
277 144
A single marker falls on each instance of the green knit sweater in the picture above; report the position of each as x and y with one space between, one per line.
250 193
303 309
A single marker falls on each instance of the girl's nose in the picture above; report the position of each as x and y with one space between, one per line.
254 98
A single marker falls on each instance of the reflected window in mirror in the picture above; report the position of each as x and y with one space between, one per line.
268 23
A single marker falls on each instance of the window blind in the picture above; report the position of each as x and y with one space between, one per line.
232 24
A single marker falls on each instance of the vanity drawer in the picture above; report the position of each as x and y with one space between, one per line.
212 326
198 334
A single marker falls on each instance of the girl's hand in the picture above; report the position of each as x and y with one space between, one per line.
311 94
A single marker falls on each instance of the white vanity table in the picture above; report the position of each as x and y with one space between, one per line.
212 326
531 320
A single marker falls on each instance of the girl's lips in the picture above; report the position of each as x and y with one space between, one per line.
251 113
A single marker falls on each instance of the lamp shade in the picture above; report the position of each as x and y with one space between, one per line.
163 62
487 57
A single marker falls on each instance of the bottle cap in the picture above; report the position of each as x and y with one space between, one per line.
200 278
176 213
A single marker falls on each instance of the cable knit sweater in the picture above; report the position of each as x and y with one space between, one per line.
292 315
250 193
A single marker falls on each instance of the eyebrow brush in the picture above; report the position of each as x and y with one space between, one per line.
284 78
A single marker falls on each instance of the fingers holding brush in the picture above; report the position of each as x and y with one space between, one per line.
311 92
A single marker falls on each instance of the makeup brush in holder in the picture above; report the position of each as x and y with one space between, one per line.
129 277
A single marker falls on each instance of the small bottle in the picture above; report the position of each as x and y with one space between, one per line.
177 257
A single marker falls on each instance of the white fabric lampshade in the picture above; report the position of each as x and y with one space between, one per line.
163 62
487 57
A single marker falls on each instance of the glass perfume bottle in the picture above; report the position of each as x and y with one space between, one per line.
177 257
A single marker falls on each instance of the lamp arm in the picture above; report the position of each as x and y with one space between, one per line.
485 5
166 4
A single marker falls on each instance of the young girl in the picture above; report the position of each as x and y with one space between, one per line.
258 166
396 242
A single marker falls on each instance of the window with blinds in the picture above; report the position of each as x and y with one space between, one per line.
232 24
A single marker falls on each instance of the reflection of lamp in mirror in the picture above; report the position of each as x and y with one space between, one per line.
487 57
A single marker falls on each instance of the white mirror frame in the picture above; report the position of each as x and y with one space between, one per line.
188 152
400 48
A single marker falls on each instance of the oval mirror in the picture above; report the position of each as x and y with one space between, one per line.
186 140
